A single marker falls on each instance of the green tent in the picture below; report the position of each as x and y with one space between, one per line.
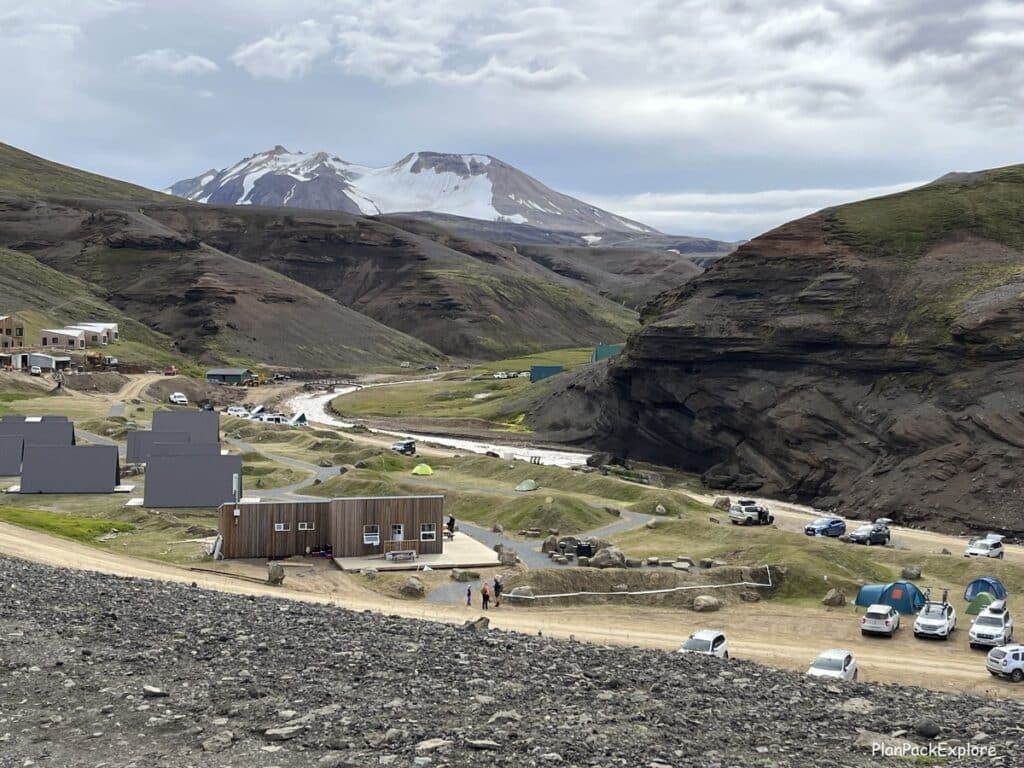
422 469
979 602
527 485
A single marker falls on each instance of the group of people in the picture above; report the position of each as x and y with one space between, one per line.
486 593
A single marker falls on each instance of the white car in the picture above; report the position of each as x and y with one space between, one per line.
835 663
936 619
1007 661
178 398
501 375
237 410
709 642
990 546
993 627
880 620
35 370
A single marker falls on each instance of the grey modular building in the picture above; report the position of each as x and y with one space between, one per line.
192 481
201 426
141 444
70 469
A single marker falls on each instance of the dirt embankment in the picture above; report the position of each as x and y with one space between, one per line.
101 382
196 391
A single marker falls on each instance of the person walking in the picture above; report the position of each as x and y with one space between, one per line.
485 595
497 592
469 596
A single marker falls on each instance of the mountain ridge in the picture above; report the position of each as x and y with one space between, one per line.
476 186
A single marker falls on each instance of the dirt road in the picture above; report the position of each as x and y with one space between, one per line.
137 385
776 635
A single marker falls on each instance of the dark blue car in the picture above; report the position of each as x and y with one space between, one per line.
826 526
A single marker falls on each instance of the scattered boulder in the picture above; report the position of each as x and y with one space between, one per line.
508 557
834 598
608 557
461 574
219 741
710 562
714 521
477 625
681 566
550 544
361 464
927 728
325 462
342 470
275 574
911 572
432 745
620 587
152 692
482 744
706 603
370 573
651 524
413 587
523 591
284 733
858 705
660 510
945 552
497 528
632 562
653 560
583 562
722 503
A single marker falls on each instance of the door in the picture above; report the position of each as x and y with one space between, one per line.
397 532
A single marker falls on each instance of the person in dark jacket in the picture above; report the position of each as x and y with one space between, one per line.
469 596
497 592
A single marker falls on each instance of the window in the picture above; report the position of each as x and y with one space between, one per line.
19 331
44 341
282 527
56 340
305 526
371 535
397 531
428 532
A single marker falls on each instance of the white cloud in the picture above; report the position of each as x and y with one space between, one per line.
287 54
171 62
726 213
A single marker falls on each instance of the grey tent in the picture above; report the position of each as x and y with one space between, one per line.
201 426
40 432
70 469
140 444
191 481
11 448
183 449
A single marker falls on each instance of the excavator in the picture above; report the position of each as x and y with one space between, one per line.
100 362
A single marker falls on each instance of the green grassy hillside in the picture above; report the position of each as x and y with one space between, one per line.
25 174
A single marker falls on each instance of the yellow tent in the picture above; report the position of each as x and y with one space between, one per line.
422 469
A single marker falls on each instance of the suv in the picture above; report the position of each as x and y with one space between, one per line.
993 626
880 620
177 398
936 619
835 663
990 546
826 526
35 370
171 370
404 447
1007 661
749 512
709 642
871 534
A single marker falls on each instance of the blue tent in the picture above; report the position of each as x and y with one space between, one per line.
901 595
989 584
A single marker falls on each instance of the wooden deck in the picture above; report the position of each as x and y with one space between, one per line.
461 552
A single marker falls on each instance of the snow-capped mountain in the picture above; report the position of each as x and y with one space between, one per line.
474 186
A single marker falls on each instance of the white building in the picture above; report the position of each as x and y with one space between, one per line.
63 338
97 334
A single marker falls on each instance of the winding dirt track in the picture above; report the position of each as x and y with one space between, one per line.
778 636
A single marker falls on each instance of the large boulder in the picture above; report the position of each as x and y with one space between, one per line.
523 591
620 587
275 574
461 574
413 587
508 557
608 557
550 544
706 603
722 503
911 572
834 598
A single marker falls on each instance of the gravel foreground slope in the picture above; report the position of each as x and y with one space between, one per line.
102 671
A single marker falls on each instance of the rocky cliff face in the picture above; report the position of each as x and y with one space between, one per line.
868 358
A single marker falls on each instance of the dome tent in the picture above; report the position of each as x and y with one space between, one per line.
528 485
988 584
422 469
980 602
901 595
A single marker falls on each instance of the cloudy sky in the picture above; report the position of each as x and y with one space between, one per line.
713 117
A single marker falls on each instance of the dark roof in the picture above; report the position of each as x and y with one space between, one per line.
228 371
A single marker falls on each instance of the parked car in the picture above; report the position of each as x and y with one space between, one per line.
404 447
871 534
1007 661
826 526
936 619
990 546
171 370
35 370
709 642
501 375
834 663
993 627
178 398
207 406
279 377
749 512
237 410
880 620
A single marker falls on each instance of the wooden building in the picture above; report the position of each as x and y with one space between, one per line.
12 332
351 527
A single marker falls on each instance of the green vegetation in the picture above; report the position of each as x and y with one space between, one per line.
568 358
24 174
262 472
906 224
85 529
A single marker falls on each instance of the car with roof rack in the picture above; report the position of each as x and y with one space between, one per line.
993 627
